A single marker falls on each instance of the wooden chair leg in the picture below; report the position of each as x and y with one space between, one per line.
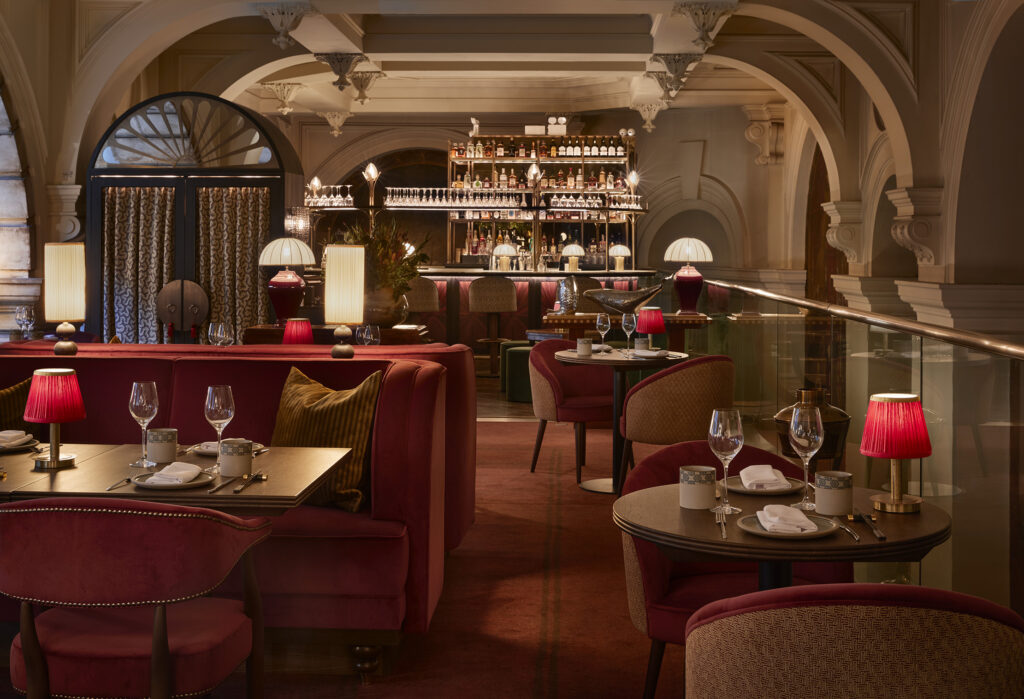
653 668
541 426
581 449
36 673
627 460
367 660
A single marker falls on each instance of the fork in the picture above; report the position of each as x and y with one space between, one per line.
720 521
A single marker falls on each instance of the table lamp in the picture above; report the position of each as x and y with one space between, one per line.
573 252
688 281
64 291
54 397
343 293
650 320
286 288
504 253
620 252
895 430
298 331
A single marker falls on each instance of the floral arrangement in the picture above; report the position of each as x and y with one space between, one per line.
391 260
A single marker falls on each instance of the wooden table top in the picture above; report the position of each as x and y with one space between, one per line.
654 514
294 473
617 359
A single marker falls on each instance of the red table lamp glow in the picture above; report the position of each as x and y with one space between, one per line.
298 331
54 397
895 430
688 281
649 320
286 288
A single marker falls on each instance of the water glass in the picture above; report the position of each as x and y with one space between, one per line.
725 437
604 324
215 333
143 405
628 326
805 436
219 410
371 335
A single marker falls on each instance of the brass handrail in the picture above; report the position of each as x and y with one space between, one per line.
963 338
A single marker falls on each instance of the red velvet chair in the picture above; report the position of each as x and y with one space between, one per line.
675 405
663 593
124 580
567 393
854 640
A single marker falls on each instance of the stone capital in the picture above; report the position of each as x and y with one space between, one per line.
766 131
845 229
64 223
917 227
993 309
648 110
335 119
705 15
676 65
873 294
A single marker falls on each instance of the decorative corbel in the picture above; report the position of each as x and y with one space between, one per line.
64 223
917 224
766 131
285 18
676 65
343 65
705 16
648 110
335 119
362 80
845 228
284 92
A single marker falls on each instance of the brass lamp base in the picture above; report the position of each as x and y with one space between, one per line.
906 504
43 462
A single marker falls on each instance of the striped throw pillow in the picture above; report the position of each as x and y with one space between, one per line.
12 407
312 415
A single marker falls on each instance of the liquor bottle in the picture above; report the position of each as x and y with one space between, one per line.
512 179
544 181
603 150
561 150
500 150
487 183
560 182
553 150
503 179
620 150
592 181
455 149
477 184
577 149
533 150
522 149
466 184
601 179
479 149
570 181
489 150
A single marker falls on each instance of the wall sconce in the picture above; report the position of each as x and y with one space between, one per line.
371 174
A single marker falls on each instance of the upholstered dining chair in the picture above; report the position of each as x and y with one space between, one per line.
662 593
124 582
927 642
422 296
492 295
577 394
675 405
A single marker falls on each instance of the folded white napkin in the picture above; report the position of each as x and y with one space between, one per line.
784 519
651 354
601 348
13 438
762 477
175 472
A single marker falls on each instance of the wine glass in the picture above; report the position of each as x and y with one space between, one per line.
604 324
19 318
371 335
219 409
143 405
628 326
805 436
359 332
725 437
215 333
29 315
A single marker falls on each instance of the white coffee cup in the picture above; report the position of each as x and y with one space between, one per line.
584 347
161 444
697 487
235 457
833 492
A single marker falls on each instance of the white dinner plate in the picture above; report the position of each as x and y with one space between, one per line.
210 448
20 447
752 525
735 485
142 480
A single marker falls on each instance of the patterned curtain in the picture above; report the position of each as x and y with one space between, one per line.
138 259
233 225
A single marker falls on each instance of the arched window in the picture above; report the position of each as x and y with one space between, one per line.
183 186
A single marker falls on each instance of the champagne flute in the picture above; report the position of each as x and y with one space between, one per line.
604 324
219 409
628 326
143 405
725 437
805 436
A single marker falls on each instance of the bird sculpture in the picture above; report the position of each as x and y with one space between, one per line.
622 300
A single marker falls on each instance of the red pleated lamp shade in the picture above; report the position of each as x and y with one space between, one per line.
54 397
298 331
895 428
650 321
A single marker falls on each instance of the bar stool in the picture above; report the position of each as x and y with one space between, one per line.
492 295
422 296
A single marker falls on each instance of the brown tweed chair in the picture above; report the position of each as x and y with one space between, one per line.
803 642
492 295
675 405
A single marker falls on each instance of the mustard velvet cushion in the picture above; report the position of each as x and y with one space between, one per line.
312 415
12 407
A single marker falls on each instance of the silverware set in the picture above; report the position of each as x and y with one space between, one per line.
868 520
720 521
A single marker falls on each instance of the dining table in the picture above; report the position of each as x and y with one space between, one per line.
621 363
293 474
654 514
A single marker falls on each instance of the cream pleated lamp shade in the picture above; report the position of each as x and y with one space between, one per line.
286 252
573 250
619 250
688 250
64 275
343 284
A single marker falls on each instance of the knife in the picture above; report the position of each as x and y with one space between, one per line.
879 534
220 485
845 528
123 481
246 482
